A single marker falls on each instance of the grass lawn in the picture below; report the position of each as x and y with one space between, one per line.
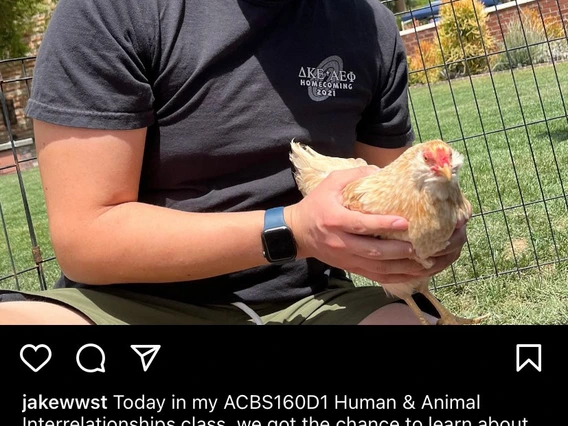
18 234
513 132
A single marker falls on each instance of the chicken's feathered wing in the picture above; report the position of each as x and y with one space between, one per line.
313 167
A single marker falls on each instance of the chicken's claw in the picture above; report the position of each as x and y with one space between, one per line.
450 319
446 317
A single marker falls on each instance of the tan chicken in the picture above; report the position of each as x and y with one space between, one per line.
421 185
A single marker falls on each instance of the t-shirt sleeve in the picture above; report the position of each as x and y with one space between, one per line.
386 121
93 67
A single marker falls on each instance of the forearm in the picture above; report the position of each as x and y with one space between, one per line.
380 157
135 242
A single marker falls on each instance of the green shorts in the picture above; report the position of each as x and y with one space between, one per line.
341 303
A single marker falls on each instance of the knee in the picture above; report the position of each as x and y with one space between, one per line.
395 314
39 313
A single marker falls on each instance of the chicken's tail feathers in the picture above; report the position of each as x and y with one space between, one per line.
311 167
306 168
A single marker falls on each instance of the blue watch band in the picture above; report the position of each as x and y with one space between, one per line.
274 218
278 242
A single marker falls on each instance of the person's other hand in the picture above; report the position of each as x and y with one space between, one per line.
444 258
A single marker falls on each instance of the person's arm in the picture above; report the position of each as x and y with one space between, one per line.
101 234
380 157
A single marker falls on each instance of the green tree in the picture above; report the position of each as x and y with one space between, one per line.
395 6
15 22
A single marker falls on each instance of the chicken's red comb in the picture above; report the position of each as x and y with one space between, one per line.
443 155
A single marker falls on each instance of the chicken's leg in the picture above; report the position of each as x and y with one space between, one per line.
412 304
446 317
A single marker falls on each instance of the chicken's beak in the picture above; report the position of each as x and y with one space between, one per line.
446 171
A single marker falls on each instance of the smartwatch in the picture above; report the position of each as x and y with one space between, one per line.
279 245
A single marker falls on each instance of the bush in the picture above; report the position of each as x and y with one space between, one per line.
422 62
464 37
526 41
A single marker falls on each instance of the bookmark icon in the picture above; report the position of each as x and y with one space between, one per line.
147 353
527 357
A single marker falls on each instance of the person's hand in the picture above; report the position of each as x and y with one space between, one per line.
326 230
444 258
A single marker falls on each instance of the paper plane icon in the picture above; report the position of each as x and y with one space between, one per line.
147 353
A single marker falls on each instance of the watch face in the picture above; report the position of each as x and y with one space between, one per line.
279 243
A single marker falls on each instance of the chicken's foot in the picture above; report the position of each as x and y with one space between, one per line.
446 317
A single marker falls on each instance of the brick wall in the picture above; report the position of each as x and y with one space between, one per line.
15 86
25 153
498 17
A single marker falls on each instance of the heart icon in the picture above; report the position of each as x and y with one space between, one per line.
35 349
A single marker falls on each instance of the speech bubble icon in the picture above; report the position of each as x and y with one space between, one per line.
100 367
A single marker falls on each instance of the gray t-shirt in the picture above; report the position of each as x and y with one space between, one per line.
224 86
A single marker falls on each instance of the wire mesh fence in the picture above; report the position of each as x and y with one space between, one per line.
487 76
21 201
490 78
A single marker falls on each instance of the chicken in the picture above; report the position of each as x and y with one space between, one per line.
421 185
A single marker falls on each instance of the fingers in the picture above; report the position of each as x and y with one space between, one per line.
443 262
368 255
464 217
364 266
462 222
338 179
356 222
337 218
375 249
390 279
399 270
411 274
457 240
370 224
